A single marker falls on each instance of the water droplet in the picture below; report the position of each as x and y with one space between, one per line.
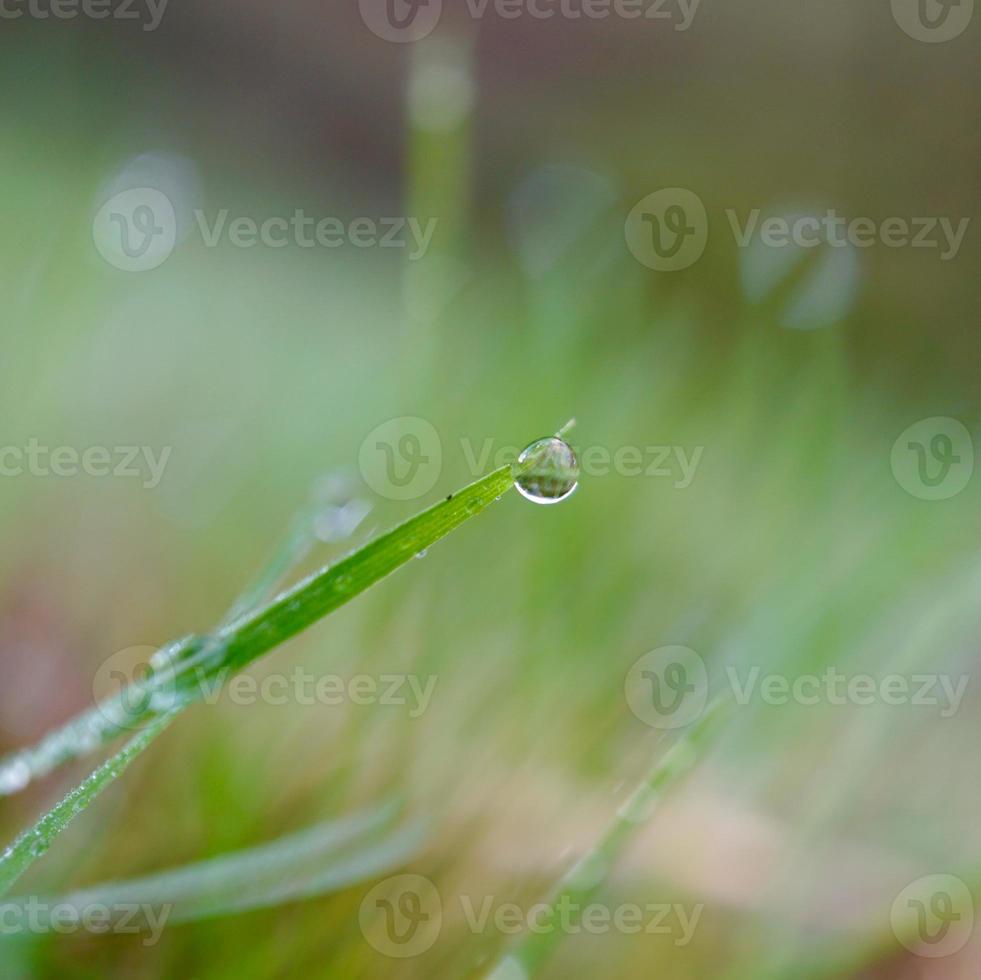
588 872
509 968
164 657
167 699
423 553
547 471
640 805
88 740
14 776
175 651
340 508
441 89
812 288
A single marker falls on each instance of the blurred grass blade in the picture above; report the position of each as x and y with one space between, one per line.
33 843
528 955
320 859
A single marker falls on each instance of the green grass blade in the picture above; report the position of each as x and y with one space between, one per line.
33 843
329 856
245 640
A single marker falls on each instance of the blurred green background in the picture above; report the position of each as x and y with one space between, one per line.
794 547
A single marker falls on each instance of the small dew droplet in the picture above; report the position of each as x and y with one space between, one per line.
87 740
509 968
14 776
588 872
639 806
167 699
547 471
